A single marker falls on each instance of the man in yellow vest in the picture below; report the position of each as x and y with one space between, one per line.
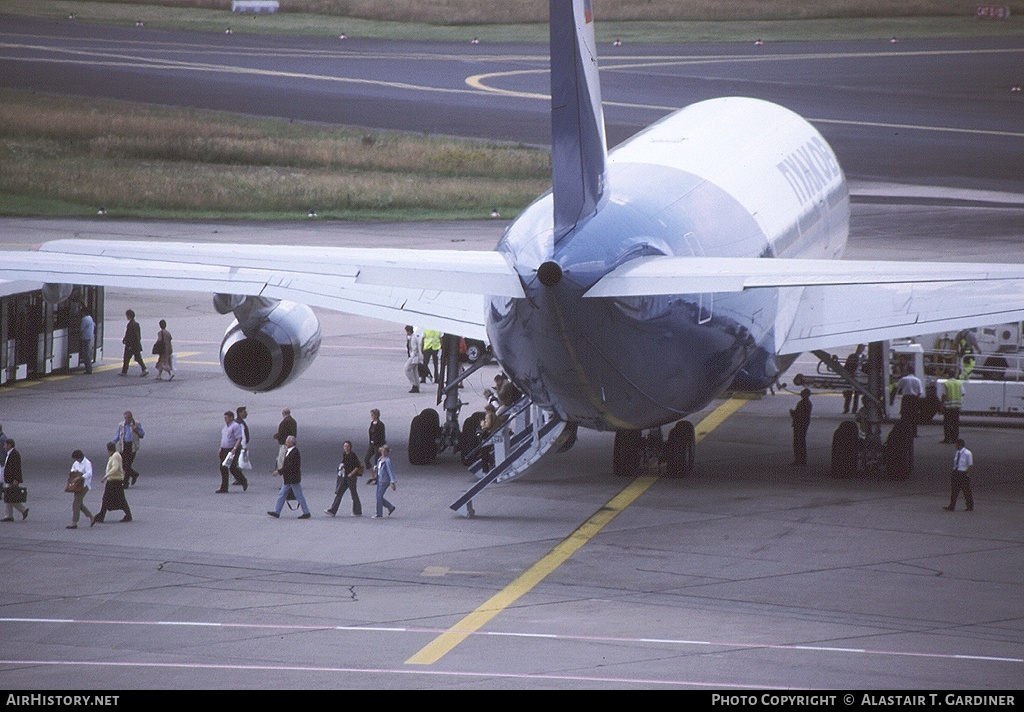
431 345
952 402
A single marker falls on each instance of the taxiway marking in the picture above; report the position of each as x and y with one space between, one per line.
392 671
479 82
725 644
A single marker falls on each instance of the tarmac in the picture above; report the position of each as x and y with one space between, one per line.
748 575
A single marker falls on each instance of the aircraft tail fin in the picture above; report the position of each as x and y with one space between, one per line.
579 151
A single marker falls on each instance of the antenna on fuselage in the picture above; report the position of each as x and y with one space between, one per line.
579 152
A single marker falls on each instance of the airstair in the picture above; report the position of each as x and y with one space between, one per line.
524 434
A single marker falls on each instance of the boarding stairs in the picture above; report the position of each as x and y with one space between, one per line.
524 434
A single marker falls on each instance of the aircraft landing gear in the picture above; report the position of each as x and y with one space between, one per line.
627 453
680 449
632 451
423 437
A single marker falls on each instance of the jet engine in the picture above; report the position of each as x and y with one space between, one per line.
269 343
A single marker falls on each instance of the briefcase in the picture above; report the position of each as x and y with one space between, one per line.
15 495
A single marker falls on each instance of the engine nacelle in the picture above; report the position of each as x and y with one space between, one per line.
269 343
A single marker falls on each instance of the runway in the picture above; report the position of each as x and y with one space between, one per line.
934 112
749 575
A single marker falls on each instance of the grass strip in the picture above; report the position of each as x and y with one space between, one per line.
632 21
67 156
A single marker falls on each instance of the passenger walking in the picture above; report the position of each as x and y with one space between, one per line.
487 426
79 484
242 458
414 350
13 479
113 491
960 479
128 438
378 436
231 436
132 344
385 476
286 427
506 392
348 472
291 471
164 351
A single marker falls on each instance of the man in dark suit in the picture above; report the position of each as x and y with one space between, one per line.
132 344
287 427
378 437
801 416
13 478
291 471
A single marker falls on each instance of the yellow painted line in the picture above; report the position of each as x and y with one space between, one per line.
96 368
446 642
479 82
56 377
718 416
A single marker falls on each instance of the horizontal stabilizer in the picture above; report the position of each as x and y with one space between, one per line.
829 303
468 271
831 316
655 275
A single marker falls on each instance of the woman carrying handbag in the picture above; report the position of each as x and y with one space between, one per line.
163 350
113 492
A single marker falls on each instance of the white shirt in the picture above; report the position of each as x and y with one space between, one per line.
963 460
910 385
415 348
85 467
230 435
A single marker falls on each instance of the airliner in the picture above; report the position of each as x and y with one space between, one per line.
701 255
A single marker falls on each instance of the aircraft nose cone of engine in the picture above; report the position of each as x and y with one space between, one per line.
549 274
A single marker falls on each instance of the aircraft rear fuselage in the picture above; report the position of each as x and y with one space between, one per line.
691 185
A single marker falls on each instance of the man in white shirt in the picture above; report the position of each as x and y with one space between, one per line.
231 436
963 463
911 391
83 468
88 333
414 350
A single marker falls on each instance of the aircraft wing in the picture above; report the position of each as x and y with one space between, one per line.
829 303
442 289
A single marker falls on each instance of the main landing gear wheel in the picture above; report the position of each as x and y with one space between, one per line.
423 434
627 453
680 449
470 438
